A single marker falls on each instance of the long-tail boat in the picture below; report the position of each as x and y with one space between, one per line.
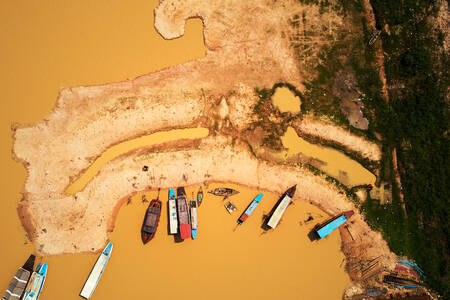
193 206
333 224
183 214
223 192
96 273
200 196
16 287
36 283
280 207
151 220
250 209
172 207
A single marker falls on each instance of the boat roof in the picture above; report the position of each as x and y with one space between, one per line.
330 227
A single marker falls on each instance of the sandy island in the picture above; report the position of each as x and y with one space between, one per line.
216 92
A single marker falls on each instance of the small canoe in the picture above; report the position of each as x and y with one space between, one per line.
250 209
223 192
173 216
281 206
34 287
151 220
193 205
200 196
16 287
96 273
230 207
184 225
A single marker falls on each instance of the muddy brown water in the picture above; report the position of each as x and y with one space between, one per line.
47 45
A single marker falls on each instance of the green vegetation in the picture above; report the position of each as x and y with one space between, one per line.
414 122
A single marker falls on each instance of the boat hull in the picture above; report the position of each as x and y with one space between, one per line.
96 273
250 209
193 206
281 208
173 215
184 225
34 288
151 221
16 287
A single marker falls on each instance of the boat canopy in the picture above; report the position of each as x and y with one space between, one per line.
330 227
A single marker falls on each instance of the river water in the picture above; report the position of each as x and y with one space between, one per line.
50 44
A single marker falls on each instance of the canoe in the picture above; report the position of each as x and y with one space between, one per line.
280 207
16 287
151 220
250 209
200 196
223 192
193 205
184 225
96 273
36 283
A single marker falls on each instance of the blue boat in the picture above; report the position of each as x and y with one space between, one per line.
36 283
250 209
333 224
173 218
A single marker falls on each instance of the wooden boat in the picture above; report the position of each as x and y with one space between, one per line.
16 287
333 224
36 283
184 225
193 205
172 207
151 220
250 209
200 196
280 207
96 273
223 192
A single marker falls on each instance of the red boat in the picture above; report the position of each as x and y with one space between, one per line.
183 214
151 220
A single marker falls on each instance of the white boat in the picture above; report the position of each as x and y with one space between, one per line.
173 219
193 205
36 283
280 209
96 273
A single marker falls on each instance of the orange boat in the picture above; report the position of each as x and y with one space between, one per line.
151 220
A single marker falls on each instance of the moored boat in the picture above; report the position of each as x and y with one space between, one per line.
36 283
281 206
200 196
172 207
151 220
223 192
16 287
184 225
333 224
250 209
193 206
96 273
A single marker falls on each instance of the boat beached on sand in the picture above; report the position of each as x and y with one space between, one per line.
151 220
250 209
333 224
172 207
183 214
281 207
96 273
16 287
223 192
36 283
193 206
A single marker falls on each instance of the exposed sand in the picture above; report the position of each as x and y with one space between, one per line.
216 92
